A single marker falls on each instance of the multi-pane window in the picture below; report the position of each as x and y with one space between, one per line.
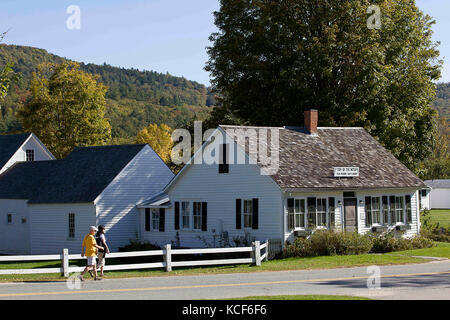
392 209
300 212
311 212
291 213
399 211
376 213
185 214
71 225
373 210
155 219
408 208
388 209
248 213
197 216
321 212
29 155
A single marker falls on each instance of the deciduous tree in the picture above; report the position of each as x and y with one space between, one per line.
272 59
159 138
67 108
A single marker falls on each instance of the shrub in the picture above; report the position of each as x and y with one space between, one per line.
329 243
135 245
432 230
389 243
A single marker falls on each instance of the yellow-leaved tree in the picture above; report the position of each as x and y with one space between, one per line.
67 108
159 138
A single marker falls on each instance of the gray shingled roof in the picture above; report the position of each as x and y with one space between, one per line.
306 161
79 178
9 144
438 183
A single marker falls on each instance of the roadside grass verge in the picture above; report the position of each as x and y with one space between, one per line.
301 297
324 262
441 250
441 216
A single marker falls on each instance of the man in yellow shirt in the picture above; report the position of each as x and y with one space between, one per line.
89 248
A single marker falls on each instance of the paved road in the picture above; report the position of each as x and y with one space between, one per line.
397 282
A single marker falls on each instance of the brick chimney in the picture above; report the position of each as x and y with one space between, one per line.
311 119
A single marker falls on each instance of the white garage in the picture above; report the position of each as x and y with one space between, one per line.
440 193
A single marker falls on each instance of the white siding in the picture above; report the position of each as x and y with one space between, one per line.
440 198
142 178
203 183
415 225
361 215
14 237
40 154
50 227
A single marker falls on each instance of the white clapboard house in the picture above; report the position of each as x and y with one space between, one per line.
46 206
338 178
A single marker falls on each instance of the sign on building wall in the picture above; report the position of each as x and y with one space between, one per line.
346 172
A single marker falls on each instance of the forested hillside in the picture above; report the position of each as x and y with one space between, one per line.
134 98
442 101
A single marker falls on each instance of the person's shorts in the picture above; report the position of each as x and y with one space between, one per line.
91 261
101 259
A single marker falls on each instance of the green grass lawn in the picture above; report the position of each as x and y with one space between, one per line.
441 216
301 297
325 262
441 250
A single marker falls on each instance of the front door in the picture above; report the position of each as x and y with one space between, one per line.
350 215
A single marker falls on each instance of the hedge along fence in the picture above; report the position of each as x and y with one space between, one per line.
167 253
329 243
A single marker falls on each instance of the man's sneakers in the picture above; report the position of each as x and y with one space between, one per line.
97 279
81 278
91 273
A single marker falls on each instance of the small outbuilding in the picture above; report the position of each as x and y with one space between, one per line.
439 193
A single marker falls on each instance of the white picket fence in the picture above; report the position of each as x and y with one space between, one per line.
255 258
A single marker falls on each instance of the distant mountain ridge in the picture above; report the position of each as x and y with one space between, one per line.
134 98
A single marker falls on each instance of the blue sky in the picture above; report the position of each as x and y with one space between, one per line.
161 35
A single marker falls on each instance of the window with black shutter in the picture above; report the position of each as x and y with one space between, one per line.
162 219
255 216
177 215
385 210
224 166
204 216
368 211
238 213
147 219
